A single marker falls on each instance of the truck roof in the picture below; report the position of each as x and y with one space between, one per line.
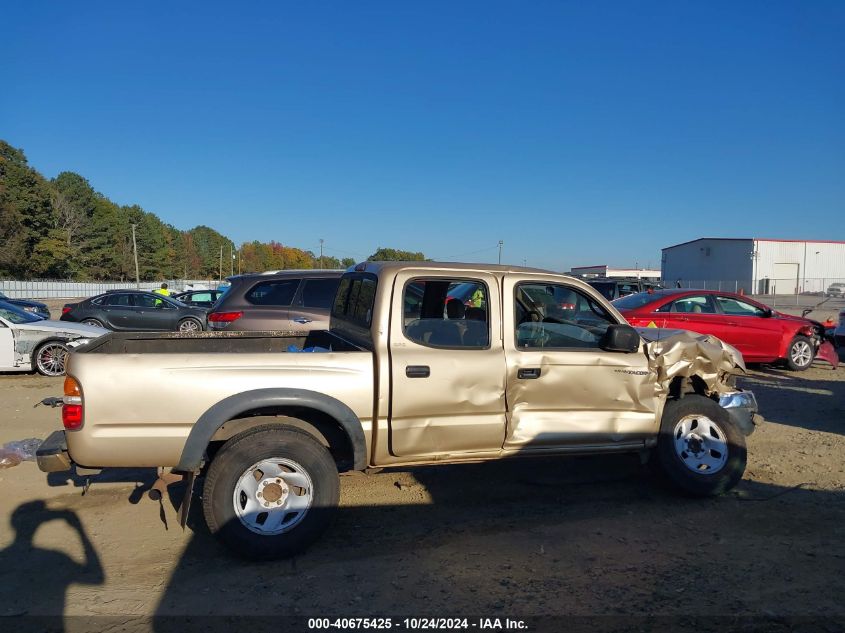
377 267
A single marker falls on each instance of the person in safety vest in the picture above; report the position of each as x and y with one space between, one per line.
162 291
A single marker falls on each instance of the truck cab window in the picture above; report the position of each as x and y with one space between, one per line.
449 313
558 317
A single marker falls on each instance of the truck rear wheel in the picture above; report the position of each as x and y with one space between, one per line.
700 449
270 492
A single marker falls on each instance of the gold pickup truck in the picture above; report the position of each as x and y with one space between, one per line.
424 363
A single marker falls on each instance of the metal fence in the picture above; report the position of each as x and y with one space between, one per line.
774 292
816 286
51 289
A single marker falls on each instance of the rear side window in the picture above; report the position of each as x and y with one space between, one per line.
199 296
450 313
319 293
354 300
279 292
117 300
702 304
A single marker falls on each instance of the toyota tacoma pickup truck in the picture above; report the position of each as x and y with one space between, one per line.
424 363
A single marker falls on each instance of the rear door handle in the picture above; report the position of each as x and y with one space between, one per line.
528 373
302 320
417 371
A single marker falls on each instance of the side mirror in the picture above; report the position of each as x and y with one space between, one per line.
768 313
620 337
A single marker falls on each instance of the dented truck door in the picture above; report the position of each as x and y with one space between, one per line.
447 365
562 388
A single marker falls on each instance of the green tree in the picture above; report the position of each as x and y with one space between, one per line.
394 255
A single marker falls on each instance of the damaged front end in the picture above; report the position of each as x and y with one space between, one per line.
685 362
821 342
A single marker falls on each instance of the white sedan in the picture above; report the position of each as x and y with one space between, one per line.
30 343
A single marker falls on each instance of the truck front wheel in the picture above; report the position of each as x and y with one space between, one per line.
270 492
700 449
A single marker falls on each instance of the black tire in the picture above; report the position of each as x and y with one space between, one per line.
94 322
50 358
689 474
797 354
243 452
197 326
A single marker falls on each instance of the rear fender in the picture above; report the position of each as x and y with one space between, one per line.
241 403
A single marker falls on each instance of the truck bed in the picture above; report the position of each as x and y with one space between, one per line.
271 342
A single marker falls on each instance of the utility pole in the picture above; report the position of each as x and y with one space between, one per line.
221 263
501 243
135 251
232 258
321 253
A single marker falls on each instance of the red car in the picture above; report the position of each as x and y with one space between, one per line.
760 333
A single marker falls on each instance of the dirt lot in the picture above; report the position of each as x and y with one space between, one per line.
570 537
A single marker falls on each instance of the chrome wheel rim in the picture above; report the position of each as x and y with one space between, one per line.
801 353
93 322
700 444
189 326
273 496
51 359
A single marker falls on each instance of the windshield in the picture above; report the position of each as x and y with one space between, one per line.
634 301
17 316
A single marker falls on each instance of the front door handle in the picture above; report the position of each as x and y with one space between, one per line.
528 372
417 371
302 320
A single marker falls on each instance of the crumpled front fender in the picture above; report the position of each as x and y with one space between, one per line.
678 353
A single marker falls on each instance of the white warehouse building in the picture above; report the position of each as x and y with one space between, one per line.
755 265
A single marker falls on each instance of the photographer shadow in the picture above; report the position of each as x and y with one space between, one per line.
47 572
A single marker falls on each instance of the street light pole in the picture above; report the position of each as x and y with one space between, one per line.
501 243
321 253
135 251
220 276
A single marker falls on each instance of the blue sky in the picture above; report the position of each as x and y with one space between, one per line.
577 132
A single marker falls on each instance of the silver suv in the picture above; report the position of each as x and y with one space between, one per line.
276 300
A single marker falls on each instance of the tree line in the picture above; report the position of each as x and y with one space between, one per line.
62 228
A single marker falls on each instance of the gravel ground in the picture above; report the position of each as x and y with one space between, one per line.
566 537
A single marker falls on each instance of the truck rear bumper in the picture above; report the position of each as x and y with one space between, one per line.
742 407
52 455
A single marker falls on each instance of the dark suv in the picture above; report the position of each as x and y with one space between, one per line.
614 288
276 300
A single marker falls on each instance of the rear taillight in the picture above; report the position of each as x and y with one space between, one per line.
72 408
66 309
224 317
807 330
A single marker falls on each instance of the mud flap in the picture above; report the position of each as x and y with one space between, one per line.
185 508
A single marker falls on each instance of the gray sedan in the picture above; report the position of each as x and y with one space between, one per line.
28 342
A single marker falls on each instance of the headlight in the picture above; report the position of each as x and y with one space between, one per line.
744 399
30 309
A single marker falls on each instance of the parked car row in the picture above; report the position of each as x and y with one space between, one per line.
762 335
283 300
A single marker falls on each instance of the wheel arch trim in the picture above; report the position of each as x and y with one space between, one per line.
233 406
